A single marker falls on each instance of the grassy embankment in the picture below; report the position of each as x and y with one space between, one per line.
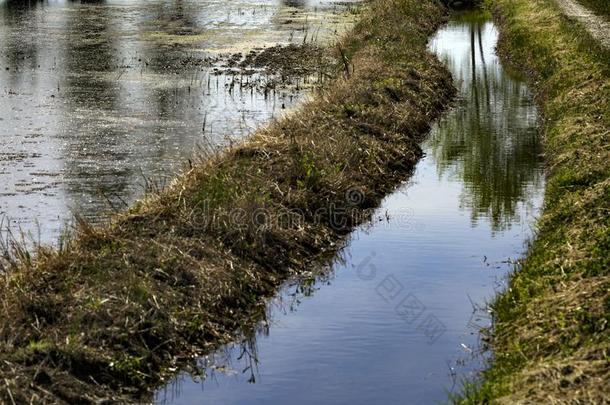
551 338
118 306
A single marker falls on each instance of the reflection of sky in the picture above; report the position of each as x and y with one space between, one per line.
489 140
346 344
455 52
92 97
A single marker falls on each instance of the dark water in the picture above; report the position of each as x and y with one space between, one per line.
96 95
397 319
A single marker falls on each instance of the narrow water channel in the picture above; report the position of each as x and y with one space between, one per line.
97 96
397 319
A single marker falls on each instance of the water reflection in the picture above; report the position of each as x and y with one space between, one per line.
29 170
20 51
490 139
96 93
94 155
364 339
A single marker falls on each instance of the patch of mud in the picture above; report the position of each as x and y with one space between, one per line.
279 67
289 59
181 63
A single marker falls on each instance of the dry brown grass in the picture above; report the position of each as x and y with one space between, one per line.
119 306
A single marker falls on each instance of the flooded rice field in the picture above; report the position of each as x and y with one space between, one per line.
397 319
99 99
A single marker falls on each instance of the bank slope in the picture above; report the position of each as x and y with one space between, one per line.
551 337
118 307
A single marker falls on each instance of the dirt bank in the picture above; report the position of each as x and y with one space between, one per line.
551 338
119 307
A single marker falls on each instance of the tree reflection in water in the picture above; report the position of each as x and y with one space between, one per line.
489 140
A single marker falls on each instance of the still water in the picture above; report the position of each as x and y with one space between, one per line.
99 95
397 319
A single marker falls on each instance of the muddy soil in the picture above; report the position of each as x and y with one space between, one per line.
280 67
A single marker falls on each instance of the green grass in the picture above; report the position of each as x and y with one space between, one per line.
120 306
551 337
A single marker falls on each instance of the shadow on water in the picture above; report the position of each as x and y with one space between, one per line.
401 321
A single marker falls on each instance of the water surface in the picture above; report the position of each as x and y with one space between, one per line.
397 319
97 96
